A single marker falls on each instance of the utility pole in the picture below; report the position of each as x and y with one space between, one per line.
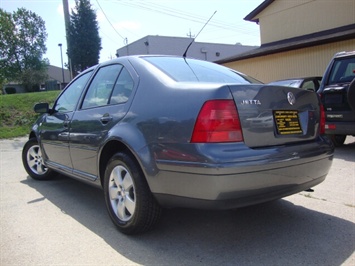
61 57
67 24
190 35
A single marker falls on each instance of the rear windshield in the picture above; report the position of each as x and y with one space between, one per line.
343 70
191 70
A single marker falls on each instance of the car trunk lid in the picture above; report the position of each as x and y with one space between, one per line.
276 115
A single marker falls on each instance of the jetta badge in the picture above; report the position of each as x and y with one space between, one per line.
256 102
291 98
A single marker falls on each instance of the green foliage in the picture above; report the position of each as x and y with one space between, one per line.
23 35
7 46
16 112
84 40
31 78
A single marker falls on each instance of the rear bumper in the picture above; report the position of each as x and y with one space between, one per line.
238 198
238 184
339 128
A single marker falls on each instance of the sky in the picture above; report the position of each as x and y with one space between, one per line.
122 22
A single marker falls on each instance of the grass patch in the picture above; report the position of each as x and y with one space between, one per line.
16 112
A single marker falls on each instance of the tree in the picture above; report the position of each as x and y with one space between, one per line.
7 47
23 36
84 40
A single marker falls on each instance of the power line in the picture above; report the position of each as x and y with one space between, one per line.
185 15
97 1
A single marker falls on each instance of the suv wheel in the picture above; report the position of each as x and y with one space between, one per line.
129 202
338 140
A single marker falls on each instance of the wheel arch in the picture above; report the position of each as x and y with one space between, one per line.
107 152
32 135
110 148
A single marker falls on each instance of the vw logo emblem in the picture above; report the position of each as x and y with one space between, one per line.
291 98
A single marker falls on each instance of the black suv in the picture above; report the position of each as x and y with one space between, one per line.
337 92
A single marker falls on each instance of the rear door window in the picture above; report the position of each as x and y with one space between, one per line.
101 87
123 88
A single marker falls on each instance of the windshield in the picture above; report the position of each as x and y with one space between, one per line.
191 70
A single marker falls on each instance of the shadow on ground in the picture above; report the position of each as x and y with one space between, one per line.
276 233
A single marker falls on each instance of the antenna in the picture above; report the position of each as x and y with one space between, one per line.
198 34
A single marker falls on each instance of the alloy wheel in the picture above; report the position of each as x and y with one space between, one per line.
122 193
35 160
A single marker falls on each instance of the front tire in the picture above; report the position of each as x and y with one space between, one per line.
129 201
33 162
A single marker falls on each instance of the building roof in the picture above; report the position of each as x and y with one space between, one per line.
308 40
256 11
177 46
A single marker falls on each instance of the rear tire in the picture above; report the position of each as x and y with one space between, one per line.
33 162
338 140
129 201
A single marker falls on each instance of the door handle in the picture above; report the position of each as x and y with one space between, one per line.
105 119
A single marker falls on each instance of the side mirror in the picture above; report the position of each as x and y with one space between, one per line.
41 108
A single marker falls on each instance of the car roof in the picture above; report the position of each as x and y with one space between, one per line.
344 54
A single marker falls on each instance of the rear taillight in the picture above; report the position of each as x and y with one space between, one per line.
322 120
218 121
330 126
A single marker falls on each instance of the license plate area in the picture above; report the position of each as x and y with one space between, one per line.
287 122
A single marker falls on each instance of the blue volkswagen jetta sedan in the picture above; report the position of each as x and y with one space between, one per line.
162 131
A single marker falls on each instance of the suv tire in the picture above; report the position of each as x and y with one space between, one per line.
338 140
